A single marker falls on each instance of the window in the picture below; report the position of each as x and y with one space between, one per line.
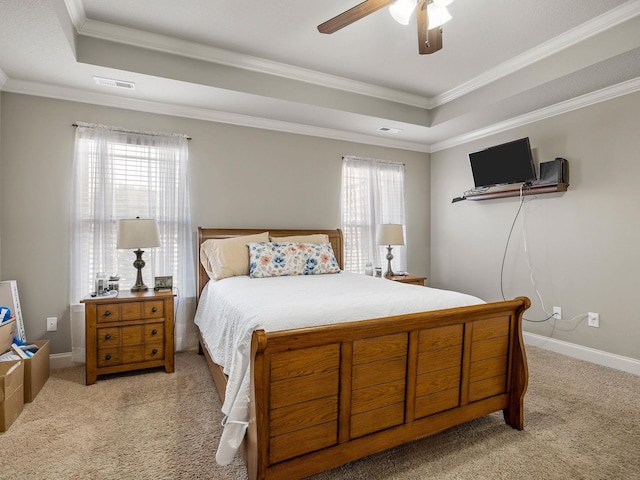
372 194
122 174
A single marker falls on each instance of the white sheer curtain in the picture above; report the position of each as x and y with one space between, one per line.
372 194
123 174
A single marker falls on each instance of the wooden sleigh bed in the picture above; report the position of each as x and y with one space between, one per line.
319 398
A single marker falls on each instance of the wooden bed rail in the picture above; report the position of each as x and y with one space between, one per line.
324 396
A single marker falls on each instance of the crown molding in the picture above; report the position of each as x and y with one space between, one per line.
75 8
602 95
105 100
576 35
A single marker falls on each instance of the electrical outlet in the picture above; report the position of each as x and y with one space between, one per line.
52 324
593 319
557 313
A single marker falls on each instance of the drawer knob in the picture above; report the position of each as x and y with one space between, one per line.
107 313
154 351
154 332
107 336
154 309
107 357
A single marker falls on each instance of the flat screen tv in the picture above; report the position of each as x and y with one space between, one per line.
504 164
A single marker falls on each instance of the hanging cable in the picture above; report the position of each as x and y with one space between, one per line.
504 256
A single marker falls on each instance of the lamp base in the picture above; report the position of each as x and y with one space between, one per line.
389 273
139 286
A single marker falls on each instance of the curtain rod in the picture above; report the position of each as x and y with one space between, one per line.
125 130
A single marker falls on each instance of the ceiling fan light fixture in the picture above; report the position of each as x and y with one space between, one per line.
438 16
401 11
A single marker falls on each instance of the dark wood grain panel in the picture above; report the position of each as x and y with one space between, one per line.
435 338
437 402
490 328
303 415
375 373
297 363
487 388
302 389
439 380
371 398
376 420
372 349
491 367
303 441
442 358
493 347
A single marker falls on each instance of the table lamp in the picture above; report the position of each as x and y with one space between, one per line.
138 233
390 234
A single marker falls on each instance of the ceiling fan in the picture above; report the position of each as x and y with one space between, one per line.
429 30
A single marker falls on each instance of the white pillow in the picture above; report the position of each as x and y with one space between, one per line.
228 257
281 259
316 238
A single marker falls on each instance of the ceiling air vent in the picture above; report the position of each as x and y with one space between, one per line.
389 130
108 82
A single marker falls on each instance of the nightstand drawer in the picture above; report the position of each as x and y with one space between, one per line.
154 351
132 354
109 312
153 309
108 337
133 335
154 332
108 357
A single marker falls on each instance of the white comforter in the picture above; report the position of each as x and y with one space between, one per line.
230 310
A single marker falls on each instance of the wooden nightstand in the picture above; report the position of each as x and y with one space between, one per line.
408 279
129 332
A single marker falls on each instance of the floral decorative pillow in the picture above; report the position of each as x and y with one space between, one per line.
273 259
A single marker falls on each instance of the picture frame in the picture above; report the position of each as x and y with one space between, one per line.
163 283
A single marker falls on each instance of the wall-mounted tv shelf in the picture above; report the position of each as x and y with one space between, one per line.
515 192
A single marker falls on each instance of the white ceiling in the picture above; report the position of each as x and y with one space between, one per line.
264 64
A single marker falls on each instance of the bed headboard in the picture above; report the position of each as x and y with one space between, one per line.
335 238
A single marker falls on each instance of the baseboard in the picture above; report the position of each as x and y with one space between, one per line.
592 355
62 360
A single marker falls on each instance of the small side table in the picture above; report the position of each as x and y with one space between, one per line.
408 279
132 331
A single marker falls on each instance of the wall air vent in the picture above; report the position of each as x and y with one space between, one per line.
389 130
108 82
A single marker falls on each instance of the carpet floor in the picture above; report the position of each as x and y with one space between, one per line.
582 421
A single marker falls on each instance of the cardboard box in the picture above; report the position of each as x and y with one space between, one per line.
36 371
11 392
9 298
7 331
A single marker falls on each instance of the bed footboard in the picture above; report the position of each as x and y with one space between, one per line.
325 396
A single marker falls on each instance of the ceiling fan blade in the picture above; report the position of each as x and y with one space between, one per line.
352 15
429 41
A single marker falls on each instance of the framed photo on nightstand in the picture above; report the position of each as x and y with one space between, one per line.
163 283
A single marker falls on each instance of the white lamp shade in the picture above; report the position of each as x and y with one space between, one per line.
401 11
138 233
438 16
390 234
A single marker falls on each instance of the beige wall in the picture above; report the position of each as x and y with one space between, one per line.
240 177
0 186
582 245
